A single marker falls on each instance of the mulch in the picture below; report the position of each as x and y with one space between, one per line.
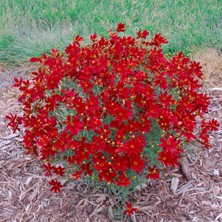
191 192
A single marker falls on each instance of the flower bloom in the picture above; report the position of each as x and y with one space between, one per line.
130 210
56 185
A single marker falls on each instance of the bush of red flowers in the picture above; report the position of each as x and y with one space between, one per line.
116 109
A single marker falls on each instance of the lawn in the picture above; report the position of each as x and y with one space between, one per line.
29 28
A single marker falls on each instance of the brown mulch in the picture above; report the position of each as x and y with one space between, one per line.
192 192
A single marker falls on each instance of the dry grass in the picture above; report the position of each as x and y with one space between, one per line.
211 60
192 192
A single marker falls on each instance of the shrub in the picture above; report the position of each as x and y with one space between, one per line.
116 110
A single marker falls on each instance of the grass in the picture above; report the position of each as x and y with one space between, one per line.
29 28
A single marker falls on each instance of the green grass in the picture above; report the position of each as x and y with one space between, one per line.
29 28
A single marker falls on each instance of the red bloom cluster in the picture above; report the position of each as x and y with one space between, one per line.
93 107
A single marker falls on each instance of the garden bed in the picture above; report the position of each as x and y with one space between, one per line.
24 190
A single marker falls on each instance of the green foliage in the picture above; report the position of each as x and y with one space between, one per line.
153 139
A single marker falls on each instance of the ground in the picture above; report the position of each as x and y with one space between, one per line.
191 192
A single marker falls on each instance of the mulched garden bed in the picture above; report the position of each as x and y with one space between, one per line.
192 192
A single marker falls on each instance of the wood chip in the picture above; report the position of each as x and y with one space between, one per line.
185 168
216 190
44 218
83 202
216 172
184 188
33 195
4 143
9 137
174 184
133 217
28 181
110 212
218 217
101 198
87 220
96 211
145 208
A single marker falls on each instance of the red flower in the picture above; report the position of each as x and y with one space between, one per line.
136 163
86 168
169 143
123 181
188 135
120 27
92 104
59 170
53 79
158 40
142 34
130 210
196 68
15 121
153 173
32 150
18 82
107 175
62 141
121 113
47 152
133 146
78 39
213 125
74 125
104 131
153 109
160 80
165 99
35 59
93 37
77 104
56 185
53 102
77 175
98 144
120 163
169 158
49 168
205 139
28 138
100 162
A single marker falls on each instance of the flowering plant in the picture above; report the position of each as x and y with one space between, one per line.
116 109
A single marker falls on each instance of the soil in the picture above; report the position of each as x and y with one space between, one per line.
191 192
